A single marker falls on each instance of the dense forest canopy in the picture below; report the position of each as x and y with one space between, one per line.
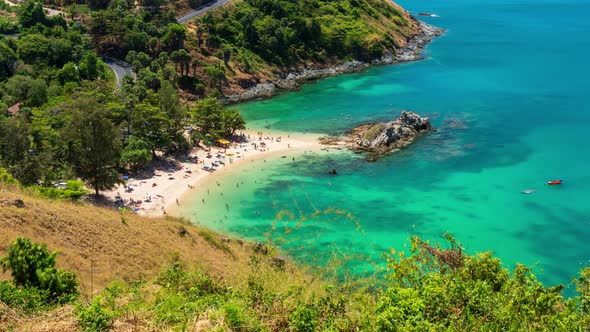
62 116
291 32
56 90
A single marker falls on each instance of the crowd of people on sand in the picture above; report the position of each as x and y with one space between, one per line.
146 191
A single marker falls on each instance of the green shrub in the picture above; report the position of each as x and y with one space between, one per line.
8 27
32 266
27 300
173 309
173 277
94 317
234 316
304 319
74 190
6 179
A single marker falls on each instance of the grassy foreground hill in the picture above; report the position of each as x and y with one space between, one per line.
152 274
103 246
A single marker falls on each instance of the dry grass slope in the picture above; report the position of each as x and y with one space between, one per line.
121 246
114 245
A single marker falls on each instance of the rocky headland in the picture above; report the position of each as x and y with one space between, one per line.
378 139
292 81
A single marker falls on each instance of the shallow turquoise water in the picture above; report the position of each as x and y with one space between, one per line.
513 72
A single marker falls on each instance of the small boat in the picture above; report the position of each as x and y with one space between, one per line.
528 191
553 182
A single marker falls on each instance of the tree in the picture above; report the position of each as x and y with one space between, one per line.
93 143
7 61
32 13
37 93
174 37
136 154
182 59
149 124
207 116
69 73
171 107
195 64
17 86
34 48
149 78
216 75
32 265
89 66
15 153
231 121
226 55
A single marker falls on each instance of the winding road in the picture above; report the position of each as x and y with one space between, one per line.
50 12
122 68
119 67
201 10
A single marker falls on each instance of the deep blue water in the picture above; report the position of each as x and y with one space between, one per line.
515 73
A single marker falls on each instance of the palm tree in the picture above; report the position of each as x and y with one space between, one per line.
232 121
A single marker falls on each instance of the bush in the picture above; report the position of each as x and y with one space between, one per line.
94 317
27 300
74 190
304 319
6 179
33 266
234 316
7 27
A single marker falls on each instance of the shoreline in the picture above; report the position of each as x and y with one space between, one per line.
160 193
168 187
293 80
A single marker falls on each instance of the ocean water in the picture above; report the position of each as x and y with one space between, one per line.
506 87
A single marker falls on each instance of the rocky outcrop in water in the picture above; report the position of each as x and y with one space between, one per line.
381 138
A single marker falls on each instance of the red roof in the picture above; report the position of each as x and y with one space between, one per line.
14 109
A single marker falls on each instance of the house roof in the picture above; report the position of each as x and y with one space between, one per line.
14 109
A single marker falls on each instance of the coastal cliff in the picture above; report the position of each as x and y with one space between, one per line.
412 51
257 48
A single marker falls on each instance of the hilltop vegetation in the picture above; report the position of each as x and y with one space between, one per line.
235 46
61 117
286 33
164 274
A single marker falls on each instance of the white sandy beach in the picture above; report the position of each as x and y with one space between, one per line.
160 193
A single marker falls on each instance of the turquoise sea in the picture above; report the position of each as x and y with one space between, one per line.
514 72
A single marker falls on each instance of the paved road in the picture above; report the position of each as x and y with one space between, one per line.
201 10
50 12
119 67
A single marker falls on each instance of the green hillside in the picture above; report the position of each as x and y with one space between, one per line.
138 273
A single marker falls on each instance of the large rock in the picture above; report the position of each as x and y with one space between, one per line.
381 138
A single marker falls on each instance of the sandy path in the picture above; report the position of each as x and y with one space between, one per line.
161 192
